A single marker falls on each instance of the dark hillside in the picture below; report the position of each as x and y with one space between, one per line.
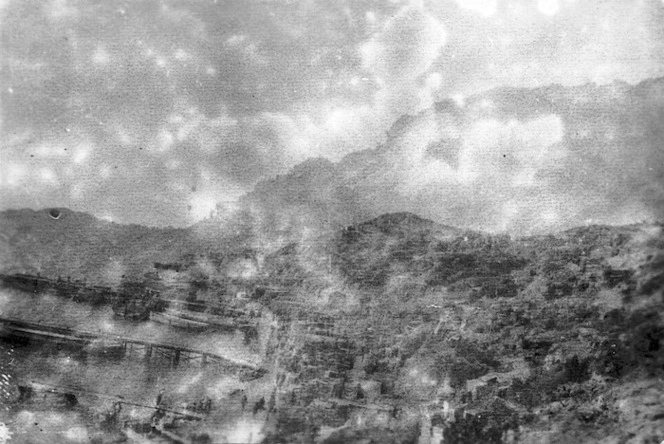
555 332
81 246
496 339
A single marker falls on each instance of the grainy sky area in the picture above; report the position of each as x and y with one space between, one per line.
159 112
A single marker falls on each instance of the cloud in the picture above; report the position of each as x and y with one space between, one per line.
510 152
548 7
406 46
402 51
485 8
395 61
508 160
141 95
446 163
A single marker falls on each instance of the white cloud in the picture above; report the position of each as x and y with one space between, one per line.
188 126
212 194
333 131
402 50
61 9
49 150
248 47
122 135
105 171
181 55
370 16
490 164
236 39
485 8
81 152
164 141
12 174
406 46
508 152
100 56
548 7
342 103
48 176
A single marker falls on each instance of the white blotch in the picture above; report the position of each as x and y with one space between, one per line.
186 129
603 73
77 434
101 56
548 7
246 431
508 213
182 55
164 140
201 206
50 151
251 50
81 152
510 152
205 175
550 216
13 174
123 136
5 433
107 217
48 176
412 28
518 69
485 8
610 134
223 121
335 119
173 164
434 81
62 9
175 118
105 171
77 191
236 39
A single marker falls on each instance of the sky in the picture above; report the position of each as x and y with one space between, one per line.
164 112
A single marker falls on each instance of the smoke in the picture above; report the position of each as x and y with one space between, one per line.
520 161
400 54
249 431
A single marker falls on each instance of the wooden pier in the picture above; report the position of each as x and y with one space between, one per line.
91 341
75 393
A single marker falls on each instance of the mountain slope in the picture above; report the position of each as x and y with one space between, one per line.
480 336
484 338
81 246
